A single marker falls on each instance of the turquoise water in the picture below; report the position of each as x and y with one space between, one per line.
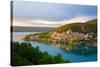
54 50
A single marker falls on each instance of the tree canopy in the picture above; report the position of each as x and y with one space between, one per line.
24 54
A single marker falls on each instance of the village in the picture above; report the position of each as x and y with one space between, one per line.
69 35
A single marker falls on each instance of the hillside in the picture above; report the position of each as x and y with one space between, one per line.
69 34
89 26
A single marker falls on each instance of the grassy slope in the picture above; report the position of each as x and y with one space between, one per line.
89 26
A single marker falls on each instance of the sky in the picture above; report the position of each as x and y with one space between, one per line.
40 14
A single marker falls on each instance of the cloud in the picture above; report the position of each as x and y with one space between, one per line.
46 23
35 23
21 23
80 19
50 11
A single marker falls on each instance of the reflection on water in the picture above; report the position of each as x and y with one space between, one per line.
53 49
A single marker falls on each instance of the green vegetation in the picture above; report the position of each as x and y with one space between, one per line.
77 32
37 36
24 54
87 27
79 38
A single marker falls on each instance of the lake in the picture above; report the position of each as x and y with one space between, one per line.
53 50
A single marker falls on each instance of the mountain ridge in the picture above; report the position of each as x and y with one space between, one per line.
30 29
79 27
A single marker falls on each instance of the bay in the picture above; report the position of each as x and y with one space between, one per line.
53 50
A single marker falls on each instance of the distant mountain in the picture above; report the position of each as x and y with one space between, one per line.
30 29
89 26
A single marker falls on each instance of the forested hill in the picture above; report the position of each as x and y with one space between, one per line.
87 27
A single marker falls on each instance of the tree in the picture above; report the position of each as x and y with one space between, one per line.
24 54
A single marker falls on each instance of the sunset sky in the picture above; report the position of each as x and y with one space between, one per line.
39 14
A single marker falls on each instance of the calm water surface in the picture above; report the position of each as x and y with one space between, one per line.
53 50
17 36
